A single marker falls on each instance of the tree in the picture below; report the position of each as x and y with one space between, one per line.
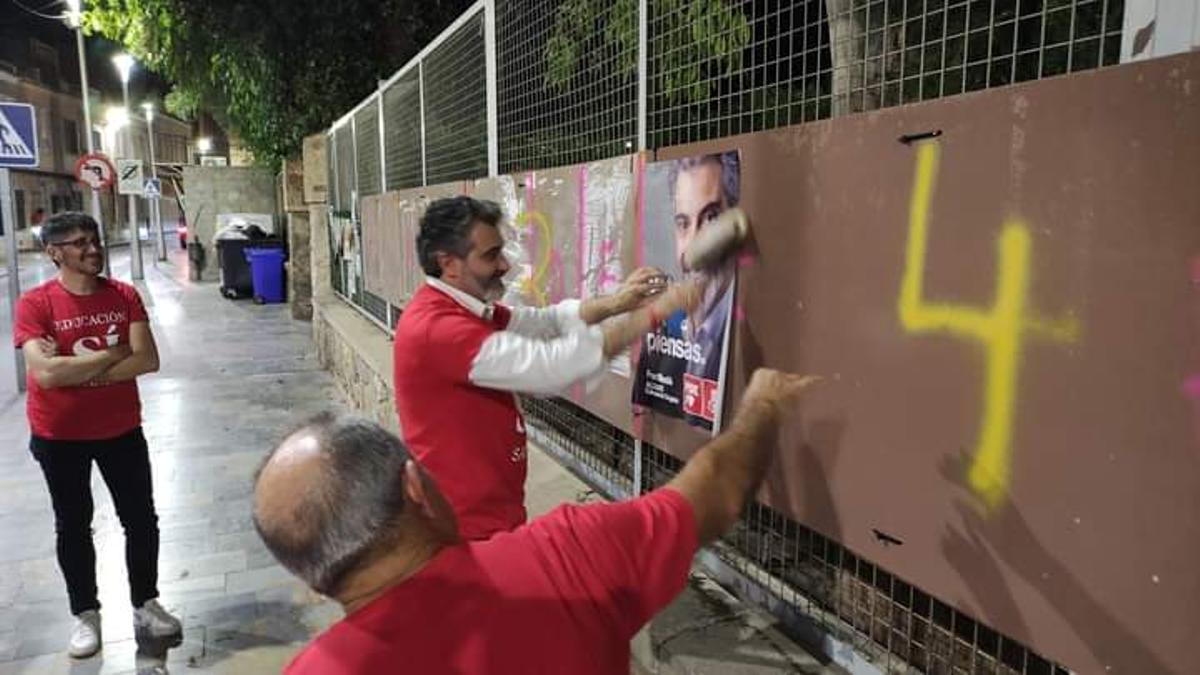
696 41
271 71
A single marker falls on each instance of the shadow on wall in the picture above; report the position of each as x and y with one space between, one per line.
1007 533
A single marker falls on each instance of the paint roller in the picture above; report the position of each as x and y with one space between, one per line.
716 241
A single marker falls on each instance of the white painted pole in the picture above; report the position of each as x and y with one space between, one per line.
135 239
421 101
642 90
489 45
14 278
155 213
97 213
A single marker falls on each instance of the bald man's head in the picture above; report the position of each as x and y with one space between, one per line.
329 498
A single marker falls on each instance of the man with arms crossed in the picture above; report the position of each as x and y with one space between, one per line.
459 356
86 339
342 505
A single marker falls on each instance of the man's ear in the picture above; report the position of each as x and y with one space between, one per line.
446 263
416 489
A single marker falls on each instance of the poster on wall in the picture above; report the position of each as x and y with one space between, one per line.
681 367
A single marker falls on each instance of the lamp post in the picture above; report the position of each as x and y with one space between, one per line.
124 64
73 21
155 214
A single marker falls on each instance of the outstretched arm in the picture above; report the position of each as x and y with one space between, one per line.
720 478
514 362
570 315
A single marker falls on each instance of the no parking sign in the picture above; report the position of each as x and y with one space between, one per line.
95 171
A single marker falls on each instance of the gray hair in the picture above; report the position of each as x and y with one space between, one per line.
446 228
731 173
348 514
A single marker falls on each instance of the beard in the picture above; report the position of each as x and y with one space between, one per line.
89 264
493 288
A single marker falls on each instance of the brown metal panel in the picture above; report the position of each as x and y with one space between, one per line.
1026 422
375 242
390 222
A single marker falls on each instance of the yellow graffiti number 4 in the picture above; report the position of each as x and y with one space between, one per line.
999 328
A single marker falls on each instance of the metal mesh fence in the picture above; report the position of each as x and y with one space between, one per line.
897 623
603 452
456 106
566 81
402 131
367 149
724 68
343 148
375 306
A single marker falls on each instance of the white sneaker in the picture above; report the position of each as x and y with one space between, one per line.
85 636
154 620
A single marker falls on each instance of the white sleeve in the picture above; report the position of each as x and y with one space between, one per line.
512 362
546 322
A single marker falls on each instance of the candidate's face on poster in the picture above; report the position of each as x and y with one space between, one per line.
698 200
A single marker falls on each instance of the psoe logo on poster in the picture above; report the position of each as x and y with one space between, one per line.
699 397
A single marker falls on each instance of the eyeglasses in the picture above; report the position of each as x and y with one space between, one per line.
81 243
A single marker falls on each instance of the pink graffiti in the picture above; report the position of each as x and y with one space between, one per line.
607 255
746 259
1191 387
560 282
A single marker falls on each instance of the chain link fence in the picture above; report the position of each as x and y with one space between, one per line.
574 81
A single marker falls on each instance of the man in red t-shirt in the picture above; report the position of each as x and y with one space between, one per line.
342 505
86 339
459 356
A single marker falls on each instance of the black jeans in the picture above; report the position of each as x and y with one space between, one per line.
125 466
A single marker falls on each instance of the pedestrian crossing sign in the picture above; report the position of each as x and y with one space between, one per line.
18 136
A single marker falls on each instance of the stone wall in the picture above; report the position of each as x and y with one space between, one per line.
318 259
299 276
210 190
359 355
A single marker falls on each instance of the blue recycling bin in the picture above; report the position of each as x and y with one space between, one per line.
266 273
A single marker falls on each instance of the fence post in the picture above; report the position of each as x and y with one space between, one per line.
382 146
489 46
642 92
383 181
421 96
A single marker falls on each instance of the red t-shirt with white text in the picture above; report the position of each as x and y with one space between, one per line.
563 594
80 324
471 439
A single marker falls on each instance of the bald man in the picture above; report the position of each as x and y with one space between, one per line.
343 506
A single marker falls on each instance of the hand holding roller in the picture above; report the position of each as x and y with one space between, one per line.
716 240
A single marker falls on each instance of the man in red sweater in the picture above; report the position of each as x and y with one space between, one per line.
86 339
342 505
459 356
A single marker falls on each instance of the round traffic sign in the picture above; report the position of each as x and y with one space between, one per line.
95 171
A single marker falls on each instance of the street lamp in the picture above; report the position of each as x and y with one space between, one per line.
74 15
155 213
124 64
